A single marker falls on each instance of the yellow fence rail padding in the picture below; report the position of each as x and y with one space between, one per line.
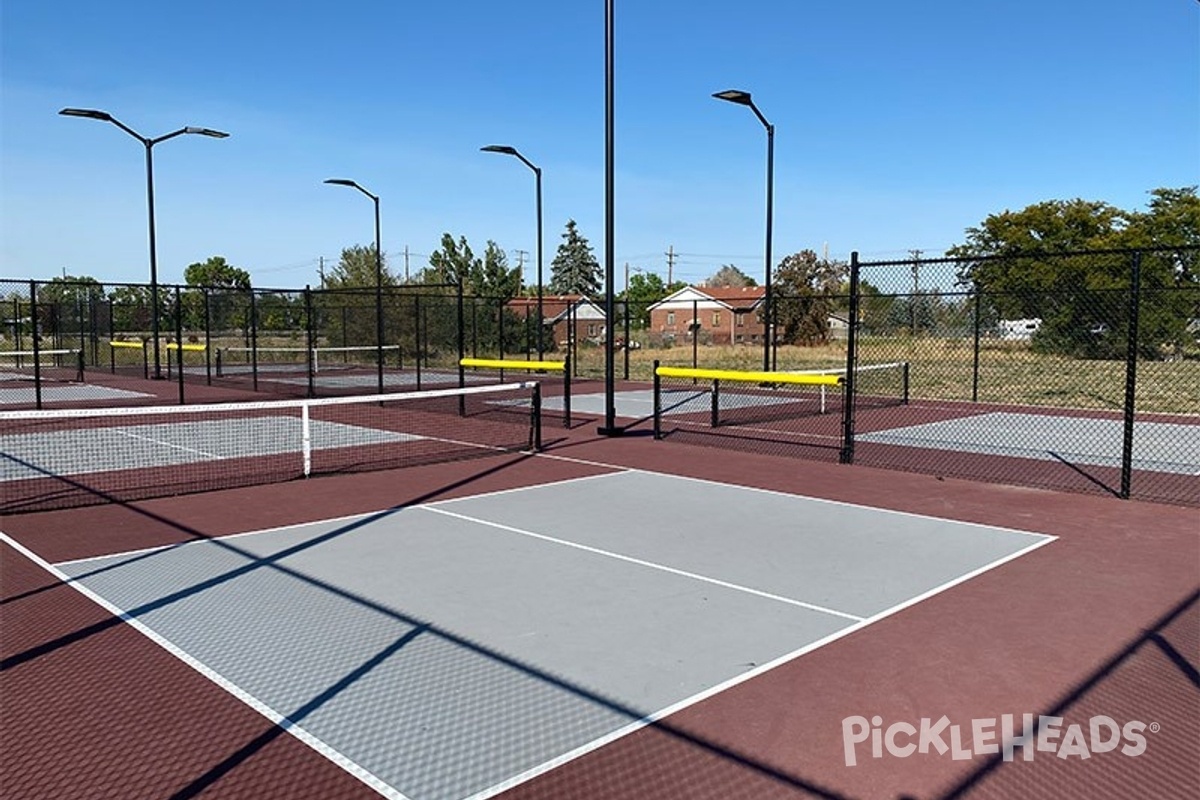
191 348
132 345
750 377
513 363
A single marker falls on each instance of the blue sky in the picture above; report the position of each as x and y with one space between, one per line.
898 125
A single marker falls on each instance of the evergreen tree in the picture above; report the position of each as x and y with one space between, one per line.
729 275
575 269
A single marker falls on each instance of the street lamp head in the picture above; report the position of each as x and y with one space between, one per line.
734 96
207 132
500 148
90 113
342 182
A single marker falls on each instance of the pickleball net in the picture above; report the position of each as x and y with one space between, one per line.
769 412
44 365
76 457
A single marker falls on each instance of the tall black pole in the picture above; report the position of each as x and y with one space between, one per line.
744 99
378 275
769 348
508 150
541 320
610 411
148 143
153 257
378 296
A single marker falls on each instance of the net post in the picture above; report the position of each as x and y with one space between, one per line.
310 340
179 338
112 335
306 439
417 337
253 340
207 337
37 354
461 340
567 392
715 410
904 378
975 357
1135 290
848 389
625 311
695 326
80 366
145 361
536 417
219 365
657 400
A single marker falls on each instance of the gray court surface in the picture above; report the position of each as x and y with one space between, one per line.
445 649
639 404
1157 446
60 393
101 449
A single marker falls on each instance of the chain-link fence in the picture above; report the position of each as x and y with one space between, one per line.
1078 371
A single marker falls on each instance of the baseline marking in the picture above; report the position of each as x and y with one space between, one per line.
637 725
365 776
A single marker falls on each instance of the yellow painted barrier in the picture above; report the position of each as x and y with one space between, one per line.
512 363
751 377
189 348
130 345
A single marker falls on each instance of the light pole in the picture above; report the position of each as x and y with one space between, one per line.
378 277
148 143
537 172
743 99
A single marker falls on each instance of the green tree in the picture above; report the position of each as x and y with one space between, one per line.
575 269
806 292
492 277
645 289
67 305
216 273
729 275
454 263
356 269
1034 268
345 311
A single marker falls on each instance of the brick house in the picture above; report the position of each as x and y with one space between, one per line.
561 312
717 314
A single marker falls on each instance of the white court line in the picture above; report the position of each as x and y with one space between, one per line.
643 563
778 493
637 725
380 512
371 780
152 440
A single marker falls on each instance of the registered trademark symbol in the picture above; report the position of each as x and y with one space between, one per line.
1155 727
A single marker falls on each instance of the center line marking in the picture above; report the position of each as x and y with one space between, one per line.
643 563
152 440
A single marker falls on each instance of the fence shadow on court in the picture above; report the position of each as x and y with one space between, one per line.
561 709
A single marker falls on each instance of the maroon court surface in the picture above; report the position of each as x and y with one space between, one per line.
1102 621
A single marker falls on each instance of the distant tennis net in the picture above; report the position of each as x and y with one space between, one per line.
45 365
241 360
74 457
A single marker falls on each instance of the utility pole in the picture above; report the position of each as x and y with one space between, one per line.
912 302
670 265
406 263
521 267
321 269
